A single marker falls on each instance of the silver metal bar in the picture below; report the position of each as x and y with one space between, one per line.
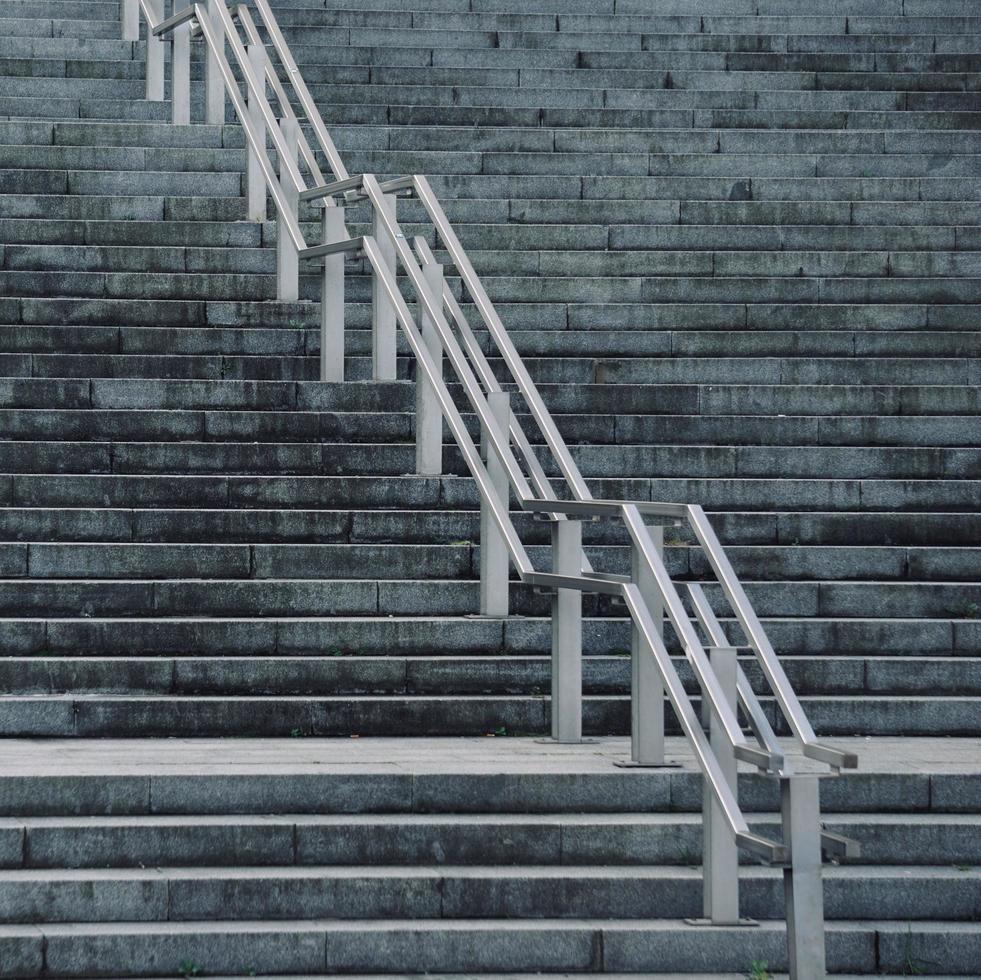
494 597
129 13
214 84
287 254
383 344
803 894
646 689
155 51
720 859
307 103
335 247
600 584
451 413
182 16
255 183
332 297
330 190
748 700
429 419
180 75
455 355
504 344
768 660
605 508
272 79
566 700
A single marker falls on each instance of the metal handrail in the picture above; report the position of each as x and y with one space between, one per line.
448 328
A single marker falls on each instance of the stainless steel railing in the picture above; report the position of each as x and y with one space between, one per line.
506 465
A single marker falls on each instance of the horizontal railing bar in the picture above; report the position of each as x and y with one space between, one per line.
166 26
580 583
840 846
771 851
318 251
604 508
329 190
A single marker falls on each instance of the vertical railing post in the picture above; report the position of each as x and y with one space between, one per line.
214 84
567 634
129 12
180 75
332 298
494 562
383 358
803 893
646 689
155 55
429 416
255 182
720 857
287 259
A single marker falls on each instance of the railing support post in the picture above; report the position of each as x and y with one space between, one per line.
180 75
803 893
567 634
383 362
429 416
155 54
720 858
129 12
255 182
494 562
214 84
332 298
646 689
287 259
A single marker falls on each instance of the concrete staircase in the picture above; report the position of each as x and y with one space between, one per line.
739 249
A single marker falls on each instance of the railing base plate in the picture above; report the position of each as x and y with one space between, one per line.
739 923
631 764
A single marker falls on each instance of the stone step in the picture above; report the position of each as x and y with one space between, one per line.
640 399
548 263
394 459
160 135
217 525
490 945
281 490
440 839
359 636
442 673
134 425
460 559
131 716
452 893
305 597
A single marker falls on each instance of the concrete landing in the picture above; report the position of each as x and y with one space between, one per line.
413 756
